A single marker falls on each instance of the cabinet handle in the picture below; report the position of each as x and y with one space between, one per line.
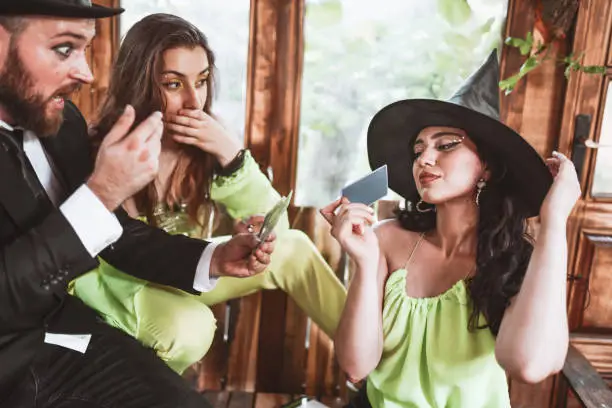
582 127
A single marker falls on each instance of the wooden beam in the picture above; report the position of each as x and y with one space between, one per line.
274 82
271 132
100 58
590 389
534 109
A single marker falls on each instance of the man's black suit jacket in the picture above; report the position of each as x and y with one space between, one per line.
40 252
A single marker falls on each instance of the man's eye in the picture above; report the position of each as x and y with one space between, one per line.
64 50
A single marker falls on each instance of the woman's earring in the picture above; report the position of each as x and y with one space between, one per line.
479 187
421 209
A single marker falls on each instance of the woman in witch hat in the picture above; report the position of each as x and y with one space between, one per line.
453 296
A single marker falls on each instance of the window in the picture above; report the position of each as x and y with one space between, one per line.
602 180
359 56
226 25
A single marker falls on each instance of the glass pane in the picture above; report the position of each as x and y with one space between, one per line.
360 56
602 180
226 25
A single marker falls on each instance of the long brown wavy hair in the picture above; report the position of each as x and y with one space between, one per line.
135 80
504 244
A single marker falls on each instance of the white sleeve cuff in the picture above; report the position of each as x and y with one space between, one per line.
202 281
94 224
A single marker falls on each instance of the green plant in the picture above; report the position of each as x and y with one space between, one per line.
538 53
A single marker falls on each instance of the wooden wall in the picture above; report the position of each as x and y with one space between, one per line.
534 110
544 109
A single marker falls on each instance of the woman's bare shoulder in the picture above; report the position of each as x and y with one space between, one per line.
390 233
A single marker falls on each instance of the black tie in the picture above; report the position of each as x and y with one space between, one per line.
15 139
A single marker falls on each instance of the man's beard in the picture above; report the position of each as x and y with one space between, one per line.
22 103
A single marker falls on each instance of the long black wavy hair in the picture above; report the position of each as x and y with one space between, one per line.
504 246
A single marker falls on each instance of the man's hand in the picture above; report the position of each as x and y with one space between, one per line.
127 162
243 255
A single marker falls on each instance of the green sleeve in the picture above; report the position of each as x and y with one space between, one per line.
246 192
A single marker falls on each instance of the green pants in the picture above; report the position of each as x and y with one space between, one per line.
180 326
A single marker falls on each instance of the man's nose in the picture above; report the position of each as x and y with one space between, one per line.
81 71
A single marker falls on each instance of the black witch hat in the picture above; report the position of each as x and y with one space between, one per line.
473 108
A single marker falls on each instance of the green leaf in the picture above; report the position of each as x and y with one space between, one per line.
510 83
528 45
514 42
593 69
524 45
529 64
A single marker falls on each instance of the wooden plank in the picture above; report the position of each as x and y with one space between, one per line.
293 371
242 369
595 262
241 399
273 89
284 139
589 387
104 47
218 399
293 375
271 344
334 402
260 116
99 57
532 395
214 366
543 105
597 348
319 352
518 22
533 109
261 71
272 134
266 400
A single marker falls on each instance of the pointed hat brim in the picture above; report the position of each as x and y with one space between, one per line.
392 131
